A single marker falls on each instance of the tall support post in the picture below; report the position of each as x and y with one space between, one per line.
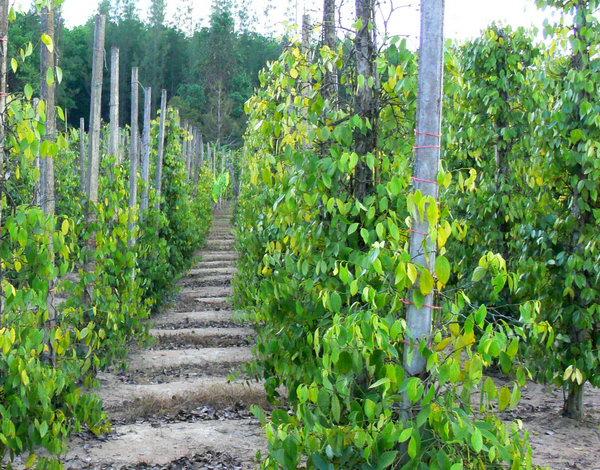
114 103
188 155
134 151
305 33
4 8
48 95
95 113
426 167
329 40
161 145
93 169
82 156
365 97
146 147
48 65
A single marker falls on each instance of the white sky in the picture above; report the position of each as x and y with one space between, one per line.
464 18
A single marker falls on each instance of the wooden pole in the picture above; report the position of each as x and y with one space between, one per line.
82 156
365 98
188 155
161 145
3 74
95 109
329 40
48 95
426 167
48 64
114 103
93 169
133 154
146 146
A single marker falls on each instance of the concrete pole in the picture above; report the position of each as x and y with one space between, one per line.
146 147
426 167
133 154
82 156
114 103
161 145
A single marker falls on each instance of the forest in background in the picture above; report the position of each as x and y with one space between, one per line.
209 74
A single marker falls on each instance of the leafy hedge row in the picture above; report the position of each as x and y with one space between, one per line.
50 351
328 278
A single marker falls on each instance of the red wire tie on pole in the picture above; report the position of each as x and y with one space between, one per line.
430 134
416 231
408 302
423 180
3 38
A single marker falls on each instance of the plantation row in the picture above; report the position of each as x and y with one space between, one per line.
83 262
346 247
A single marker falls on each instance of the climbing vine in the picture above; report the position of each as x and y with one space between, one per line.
328 276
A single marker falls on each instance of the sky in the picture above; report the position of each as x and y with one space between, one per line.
464 18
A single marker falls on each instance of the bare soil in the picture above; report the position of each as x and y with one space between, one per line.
176 406
558 442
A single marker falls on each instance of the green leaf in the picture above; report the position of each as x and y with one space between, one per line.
387 459
478 274
477 440
405 435
380 382
335 302
442 269
370 408
412 447
28 91
47 40
426 282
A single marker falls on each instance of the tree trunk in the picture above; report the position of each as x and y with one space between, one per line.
573 405
365 98
3 69
426 167
329 40
188 154
114 103
47 162
82 157
93 169
161 145
95 114
133 154
146 146
306 34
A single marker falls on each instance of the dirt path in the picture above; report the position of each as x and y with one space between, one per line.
174 408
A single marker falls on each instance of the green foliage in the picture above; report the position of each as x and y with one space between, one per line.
60 321
172 233
560 262
328 278
190 65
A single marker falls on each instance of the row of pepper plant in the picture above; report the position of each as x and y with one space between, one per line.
49 353
326 275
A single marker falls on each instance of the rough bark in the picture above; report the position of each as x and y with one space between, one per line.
3 69
306 34
329 40
93 169
82 156
365 98
426 167
573 405
146 147
114 103
133 154
95 112
161 145
47 90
